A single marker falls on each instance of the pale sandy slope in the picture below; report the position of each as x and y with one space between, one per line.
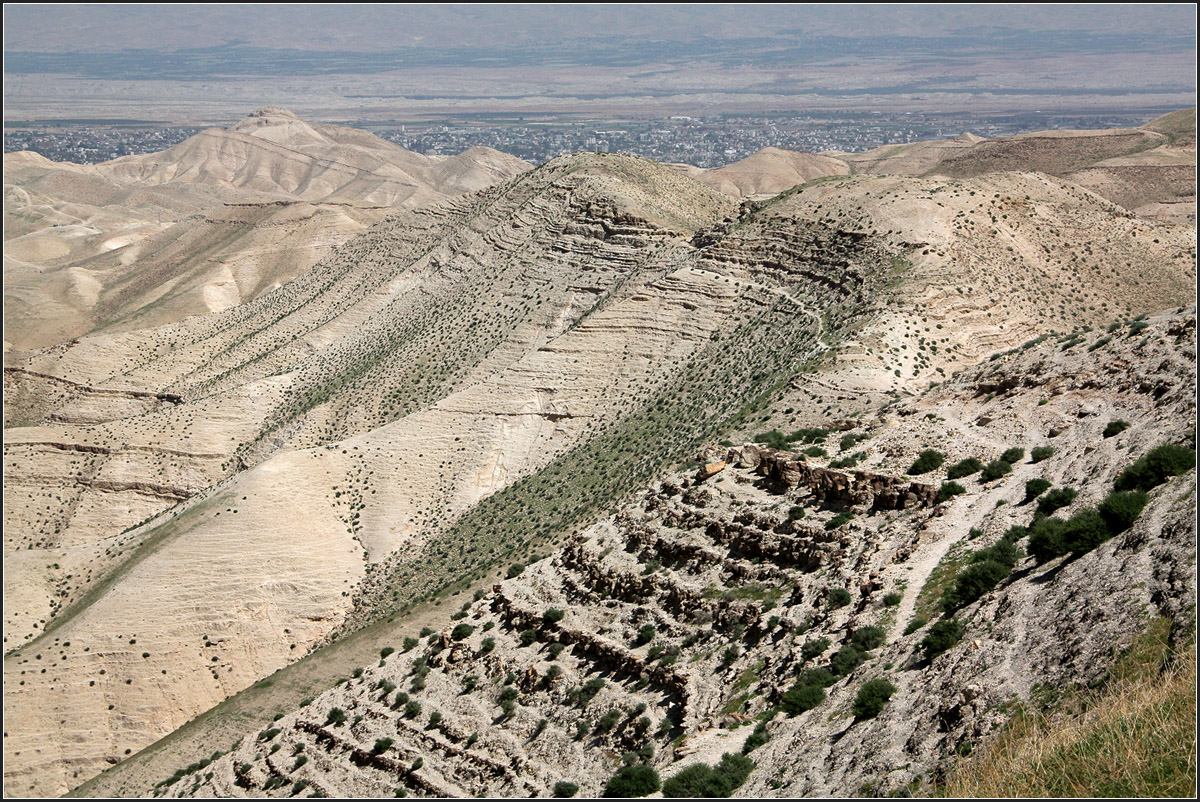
1150 170
767 172
147 239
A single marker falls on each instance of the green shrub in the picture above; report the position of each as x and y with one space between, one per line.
867 638
586 692
839 519
607 722
848 461
1004 552
701 781
872 696
515 570
756 739
552 616
381 746
564 789
808 435
1085 530
994 470
800 698
1013 455
1041 453
845 660
1115 427
963 468
435 718
412 709
410 643
1122 508
972 582
337 717
814 648
487 645
461 631
821 677
528 637
632 781
892 599
1159 464
554 650
795 513
645 634
1055 500
816 451
772 439
928 460
1015 533
838 597
947 491
849 441
915 624
1046 539
1034 488
942 635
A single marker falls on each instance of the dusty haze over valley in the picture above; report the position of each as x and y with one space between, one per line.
338 468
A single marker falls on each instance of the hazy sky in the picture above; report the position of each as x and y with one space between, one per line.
215 62
95 27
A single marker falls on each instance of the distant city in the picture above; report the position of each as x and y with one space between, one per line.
701 141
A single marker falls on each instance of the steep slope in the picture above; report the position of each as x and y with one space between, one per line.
459 384
661 634
80 238
980 265
575 226
206 262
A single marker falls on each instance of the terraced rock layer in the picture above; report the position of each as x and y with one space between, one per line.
661 634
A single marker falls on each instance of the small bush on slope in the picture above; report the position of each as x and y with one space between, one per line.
929 460
701 781
1122 508
942 636
963 468
1034 488
872 696
1055 499
994 470
632 781
1159 464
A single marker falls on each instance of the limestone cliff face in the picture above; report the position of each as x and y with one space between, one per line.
689 613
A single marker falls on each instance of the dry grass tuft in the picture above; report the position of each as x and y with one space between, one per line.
1136 737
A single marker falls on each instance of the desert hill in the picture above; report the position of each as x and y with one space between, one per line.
767 172
466 382
275 153
681 627
81 238
1148 170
